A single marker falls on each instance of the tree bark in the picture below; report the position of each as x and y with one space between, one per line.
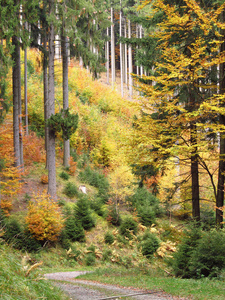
113 69
130 65
221 171
66 152
121 54
45 88
16 78
51 111
107 56
195 174
25 92
125 54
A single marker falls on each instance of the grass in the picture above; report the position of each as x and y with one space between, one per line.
17 284
203 289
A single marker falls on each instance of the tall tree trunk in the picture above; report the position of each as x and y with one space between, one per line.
194 174
125 53
66 153
25 91
51 110
113 67
107 56
130 65
121 55
45 88
137 36
141 67
17 125
221 171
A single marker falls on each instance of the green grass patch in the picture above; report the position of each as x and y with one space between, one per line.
195 289
18 283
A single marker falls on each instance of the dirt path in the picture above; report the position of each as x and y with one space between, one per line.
78 289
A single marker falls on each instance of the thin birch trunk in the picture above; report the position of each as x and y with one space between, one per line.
121 55
107 56
25 92
141 67
130 66
113 69
125 51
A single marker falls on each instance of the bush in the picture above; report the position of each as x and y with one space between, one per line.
149 244
106 255
74 230
64 175
109 238
142 195
97 180
98 206
146 215
44 218
82 213
146 205
128 226
208 258
13 233
71 190
113 216
181 262
90 259
30 244
20 239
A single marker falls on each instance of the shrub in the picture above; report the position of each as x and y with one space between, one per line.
64 240
82 213
83 160
149 244
128 226
109 238
13 233
91 249
64 175
146 215
147 206
71 190
141 196
73 253
113 216
208 258
44 219
97 180
106 254
181 262
30 244
20 239
98 206
90 259
74 230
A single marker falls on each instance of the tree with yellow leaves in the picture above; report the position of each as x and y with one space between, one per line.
183 80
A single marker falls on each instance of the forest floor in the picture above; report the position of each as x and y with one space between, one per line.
78 289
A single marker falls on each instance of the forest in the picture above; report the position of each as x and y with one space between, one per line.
112 141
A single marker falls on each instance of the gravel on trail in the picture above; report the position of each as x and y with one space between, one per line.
78 289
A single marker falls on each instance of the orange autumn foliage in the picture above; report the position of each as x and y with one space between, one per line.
73 166
44 218
9 175
33 149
